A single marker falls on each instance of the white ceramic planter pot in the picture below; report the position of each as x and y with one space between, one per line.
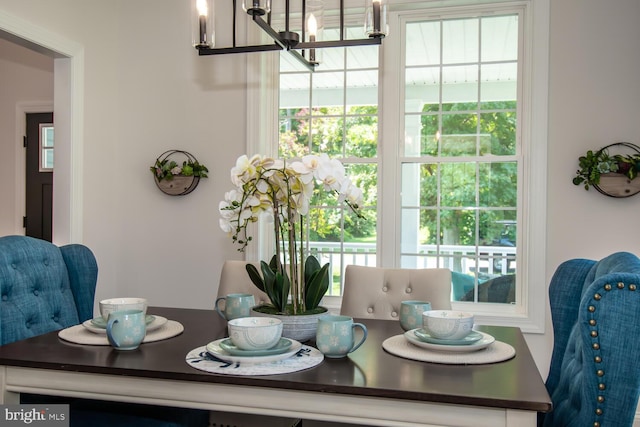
300 328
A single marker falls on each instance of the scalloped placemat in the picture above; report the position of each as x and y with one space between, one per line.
307 357
78 334
498 351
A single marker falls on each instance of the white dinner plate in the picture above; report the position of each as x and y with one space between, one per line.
214 349
157 322
484 342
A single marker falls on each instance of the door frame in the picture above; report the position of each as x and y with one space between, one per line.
68 107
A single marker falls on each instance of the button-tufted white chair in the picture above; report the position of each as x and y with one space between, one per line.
376 293
234 279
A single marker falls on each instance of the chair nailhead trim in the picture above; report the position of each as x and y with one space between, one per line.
596 346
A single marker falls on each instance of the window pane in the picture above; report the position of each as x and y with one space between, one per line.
47 162
460 41
499 38
422 86
458 184
327 135
422 43
327 91
362 88
498 184
362 134
294 137
460 84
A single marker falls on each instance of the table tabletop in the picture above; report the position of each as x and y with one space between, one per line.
368 372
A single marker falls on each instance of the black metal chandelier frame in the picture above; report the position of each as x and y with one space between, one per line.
288 40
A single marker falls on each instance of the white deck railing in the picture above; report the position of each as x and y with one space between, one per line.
487 261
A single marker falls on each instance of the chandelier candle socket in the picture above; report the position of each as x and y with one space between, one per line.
281 191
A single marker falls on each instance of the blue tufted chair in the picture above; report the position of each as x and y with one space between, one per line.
593 378
44 288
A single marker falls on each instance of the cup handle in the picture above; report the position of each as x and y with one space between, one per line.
218 309
110 324
364 336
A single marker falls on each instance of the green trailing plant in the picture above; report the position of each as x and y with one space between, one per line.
166 169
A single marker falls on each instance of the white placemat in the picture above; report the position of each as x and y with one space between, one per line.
78 334
307 357
496 352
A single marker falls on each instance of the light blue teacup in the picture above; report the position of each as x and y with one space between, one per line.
236 305
411 313
126 329
335 337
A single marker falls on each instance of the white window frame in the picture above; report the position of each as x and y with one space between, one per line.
262 137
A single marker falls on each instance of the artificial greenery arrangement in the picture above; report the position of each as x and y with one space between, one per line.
166 169
594 164
281 190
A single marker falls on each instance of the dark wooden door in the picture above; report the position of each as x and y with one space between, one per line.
39 183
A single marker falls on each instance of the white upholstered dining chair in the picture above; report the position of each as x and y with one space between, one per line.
376 293
234 279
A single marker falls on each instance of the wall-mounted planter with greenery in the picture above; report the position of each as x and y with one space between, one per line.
177 172
612 170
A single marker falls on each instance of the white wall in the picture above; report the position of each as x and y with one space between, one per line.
146 91
26 84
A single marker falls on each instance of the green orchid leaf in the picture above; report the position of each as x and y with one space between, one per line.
283 288
255 277
311 265
316 287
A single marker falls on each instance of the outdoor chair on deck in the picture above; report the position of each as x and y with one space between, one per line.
376 293
593 378
46 288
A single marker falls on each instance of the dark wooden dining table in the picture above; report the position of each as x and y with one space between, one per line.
370 386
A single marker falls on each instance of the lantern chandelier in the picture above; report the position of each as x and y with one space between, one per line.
301 46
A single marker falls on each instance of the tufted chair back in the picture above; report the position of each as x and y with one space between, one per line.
593 378
376 293
235 279
43 287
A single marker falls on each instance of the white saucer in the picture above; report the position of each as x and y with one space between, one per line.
281 347
485 342
214 349
158 322
423 335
